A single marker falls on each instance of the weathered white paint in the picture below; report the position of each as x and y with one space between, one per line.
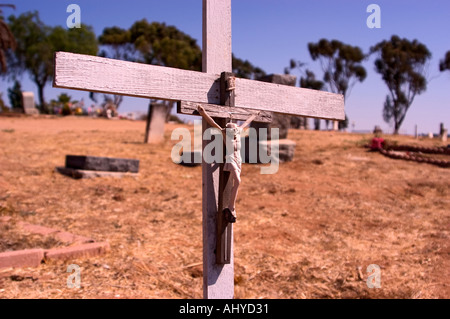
234 113
216 42
218 280
96 74
289 100
90 73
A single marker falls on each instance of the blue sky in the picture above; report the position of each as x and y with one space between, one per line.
270 32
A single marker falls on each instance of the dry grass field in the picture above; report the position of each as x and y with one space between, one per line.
309 231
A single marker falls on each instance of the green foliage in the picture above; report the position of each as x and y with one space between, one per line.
401 64
445 63
7 40
342 125
117 44
64 98
37 43
159 44
76 40
15 96
246 70
64 105
3 107
341 64
308 81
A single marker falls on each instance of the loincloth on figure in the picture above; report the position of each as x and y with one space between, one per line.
232 163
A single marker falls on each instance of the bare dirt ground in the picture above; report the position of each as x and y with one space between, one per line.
309 231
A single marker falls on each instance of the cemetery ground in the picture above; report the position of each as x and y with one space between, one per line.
309 231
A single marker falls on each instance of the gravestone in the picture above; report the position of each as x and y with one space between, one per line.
335 125
444 135
28 104
93 166
156 120
299 122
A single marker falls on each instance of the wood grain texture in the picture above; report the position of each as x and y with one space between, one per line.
237 113
109 164
216 36
289 100
89 73
218 280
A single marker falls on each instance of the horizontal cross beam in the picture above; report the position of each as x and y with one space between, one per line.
234 113
96 74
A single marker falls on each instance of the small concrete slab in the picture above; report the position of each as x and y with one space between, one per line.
79 173
108 164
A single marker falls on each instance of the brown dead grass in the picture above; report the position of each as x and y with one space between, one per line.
310 231
13 238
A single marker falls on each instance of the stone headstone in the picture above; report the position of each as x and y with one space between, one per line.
335 125
284 79
107 164
444 135
28 103
92 166
304 123
156 120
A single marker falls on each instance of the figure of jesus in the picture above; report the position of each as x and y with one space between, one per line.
233 161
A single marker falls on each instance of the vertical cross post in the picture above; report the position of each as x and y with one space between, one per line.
89 73
224 228
218 279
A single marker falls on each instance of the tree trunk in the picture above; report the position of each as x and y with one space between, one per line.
396 127
41 97
317 124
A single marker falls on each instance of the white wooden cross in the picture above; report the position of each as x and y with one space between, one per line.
90 73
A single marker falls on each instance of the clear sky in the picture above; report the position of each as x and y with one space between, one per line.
271 32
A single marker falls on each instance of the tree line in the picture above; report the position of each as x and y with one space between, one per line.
27 46
401 63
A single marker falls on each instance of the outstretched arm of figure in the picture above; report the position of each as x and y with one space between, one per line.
249 120
208 118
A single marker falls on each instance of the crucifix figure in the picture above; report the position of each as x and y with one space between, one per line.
218 95
233 162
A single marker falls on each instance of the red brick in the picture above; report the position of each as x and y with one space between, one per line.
37 229
79 251
21 258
